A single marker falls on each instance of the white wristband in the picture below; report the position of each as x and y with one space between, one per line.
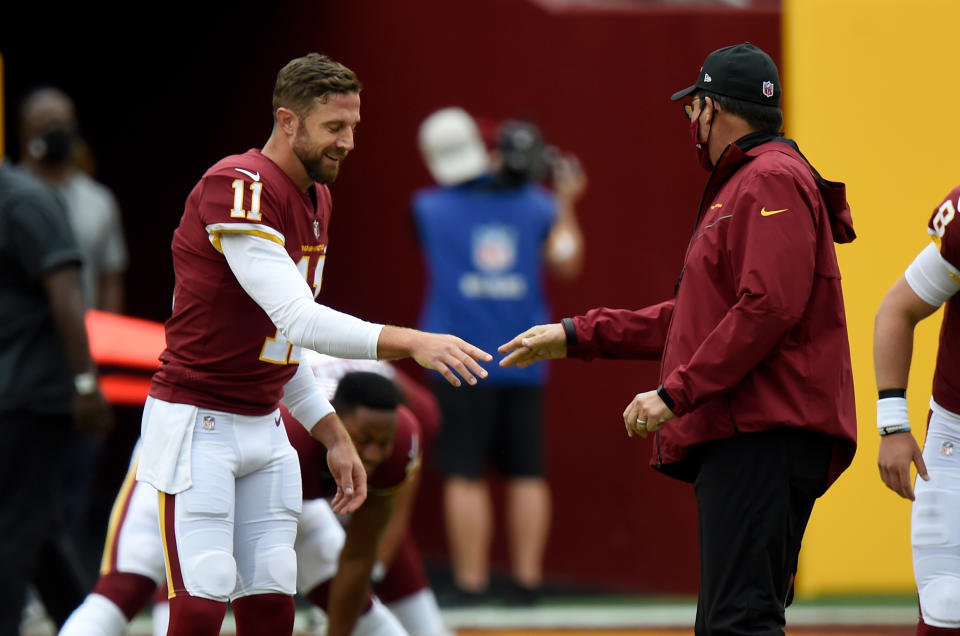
892 415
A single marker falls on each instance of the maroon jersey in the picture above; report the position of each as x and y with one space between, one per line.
223 351
946 235
392 473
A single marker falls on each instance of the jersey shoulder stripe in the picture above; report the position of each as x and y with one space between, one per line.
215 230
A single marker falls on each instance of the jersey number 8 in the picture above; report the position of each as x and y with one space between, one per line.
943 216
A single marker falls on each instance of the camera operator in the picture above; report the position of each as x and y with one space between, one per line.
488 231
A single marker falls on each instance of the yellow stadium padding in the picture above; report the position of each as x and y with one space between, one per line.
870 96
3 139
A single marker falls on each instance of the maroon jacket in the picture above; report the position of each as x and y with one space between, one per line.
756 338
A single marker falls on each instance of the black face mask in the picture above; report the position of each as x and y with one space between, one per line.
53 148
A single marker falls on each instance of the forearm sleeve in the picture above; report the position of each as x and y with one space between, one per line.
305 399
268 275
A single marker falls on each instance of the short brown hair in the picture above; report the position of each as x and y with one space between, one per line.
306 78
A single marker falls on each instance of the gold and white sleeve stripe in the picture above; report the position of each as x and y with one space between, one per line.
216 230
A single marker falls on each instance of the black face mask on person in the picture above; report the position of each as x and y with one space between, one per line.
54 147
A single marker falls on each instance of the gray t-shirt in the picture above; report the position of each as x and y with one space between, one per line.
35 240
95 220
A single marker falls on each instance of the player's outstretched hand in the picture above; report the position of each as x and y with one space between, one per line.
449 355
344 464
537 343
897 451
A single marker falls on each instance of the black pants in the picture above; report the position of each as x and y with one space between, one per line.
755 493
33 548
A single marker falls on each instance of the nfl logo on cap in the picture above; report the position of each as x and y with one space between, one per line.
768 89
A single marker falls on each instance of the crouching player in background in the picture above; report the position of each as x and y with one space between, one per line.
388 441
392 461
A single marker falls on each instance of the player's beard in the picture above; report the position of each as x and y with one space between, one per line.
318 169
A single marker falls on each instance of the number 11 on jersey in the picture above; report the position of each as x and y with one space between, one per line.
238 212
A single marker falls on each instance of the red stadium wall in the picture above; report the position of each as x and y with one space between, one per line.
160 107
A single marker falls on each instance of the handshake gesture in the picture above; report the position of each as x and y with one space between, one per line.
454 357
645 413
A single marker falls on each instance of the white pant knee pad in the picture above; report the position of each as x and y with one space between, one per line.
280 570
213 575
935 534
940 602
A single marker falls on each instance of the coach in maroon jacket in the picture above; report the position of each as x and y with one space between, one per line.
755 361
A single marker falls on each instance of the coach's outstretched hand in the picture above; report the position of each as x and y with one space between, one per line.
543 342
344 464
441 352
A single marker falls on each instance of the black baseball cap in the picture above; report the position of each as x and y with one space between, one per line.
741 71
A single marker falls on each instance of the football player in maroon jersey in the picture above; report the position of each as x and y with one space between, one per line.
392 461
248 257
931 280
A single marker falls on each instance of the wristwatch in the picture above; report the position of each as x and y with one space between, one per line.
85 383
